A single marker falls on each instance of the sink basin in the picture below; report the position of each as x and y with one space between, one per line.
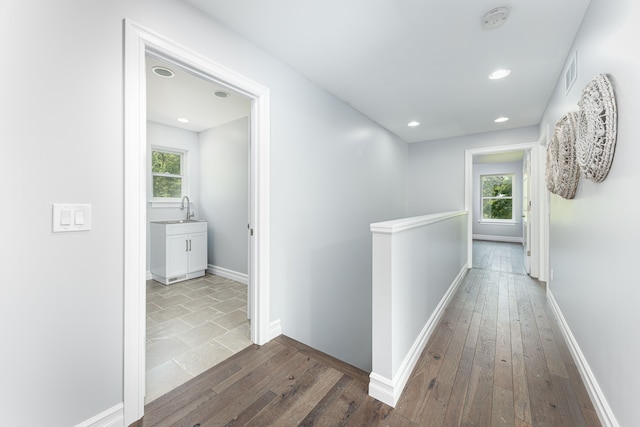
179 221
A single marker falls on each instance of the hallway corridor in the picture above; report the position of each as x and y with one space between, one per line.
497 358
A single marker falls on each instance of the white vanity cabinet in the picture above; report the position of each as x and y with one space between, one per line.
178 250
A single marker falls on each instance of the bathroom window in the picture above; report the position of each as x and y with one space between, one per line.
167 174
497 197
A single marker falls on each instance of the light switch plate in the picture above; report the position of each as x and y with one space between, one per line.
71 217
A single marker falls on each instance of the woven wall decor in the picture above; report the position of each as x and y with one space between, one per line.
563 172
552 157
597 128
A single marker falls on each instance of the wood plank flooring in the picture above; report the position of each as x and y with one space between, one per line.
496 358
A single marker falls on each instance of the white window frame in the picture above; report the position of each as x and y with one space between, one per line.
482 199
184 174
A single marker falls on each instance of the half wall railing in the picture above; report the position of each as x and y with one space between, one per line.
418 264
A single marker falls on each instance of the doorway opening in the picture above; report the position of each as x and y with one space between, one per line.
197 305
140 42
520 163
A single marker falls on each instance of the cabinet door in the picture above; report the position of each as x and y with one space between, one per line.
198 254
177 255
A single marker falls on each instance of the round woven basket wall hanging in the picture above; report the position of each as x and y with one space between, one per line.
552 156
563 172
597 128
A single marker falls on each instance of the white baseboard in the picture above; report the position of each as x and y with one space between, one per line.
389 390
149 275
275 329
112 417
229 274
497 238
383 389
607 418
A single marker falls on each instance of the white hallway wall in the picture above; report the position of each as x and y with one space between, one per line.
436 168
594 237
333 172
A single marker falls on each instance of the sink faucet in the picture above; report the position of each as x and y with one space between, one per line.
189 213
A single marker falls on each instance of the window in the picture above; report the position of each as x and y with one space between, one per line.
167 174
497 197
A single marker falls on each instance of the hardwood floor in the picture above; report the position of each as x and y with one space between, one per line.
496 358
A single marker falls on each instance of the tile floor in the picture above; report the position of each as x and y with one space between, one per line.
192 326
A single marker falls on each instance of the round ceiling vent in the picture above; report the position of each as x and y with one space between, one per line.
494 18
163 72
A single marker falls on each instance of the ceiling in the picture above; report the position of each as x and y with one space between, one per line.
186 95
426 60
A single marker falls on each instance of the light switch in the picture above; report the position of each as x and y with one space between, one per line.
65 217
71 217
79 217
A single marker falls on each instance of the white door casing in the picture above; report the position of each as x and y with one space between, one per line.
534 213
526 210
138 42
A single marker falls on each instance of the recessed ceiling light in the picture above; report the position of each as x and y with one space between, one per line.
501 119
413 124
183 120
163 72
222 94
499 74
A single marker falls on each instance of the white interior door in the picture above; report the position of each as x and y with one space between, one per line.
526 210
